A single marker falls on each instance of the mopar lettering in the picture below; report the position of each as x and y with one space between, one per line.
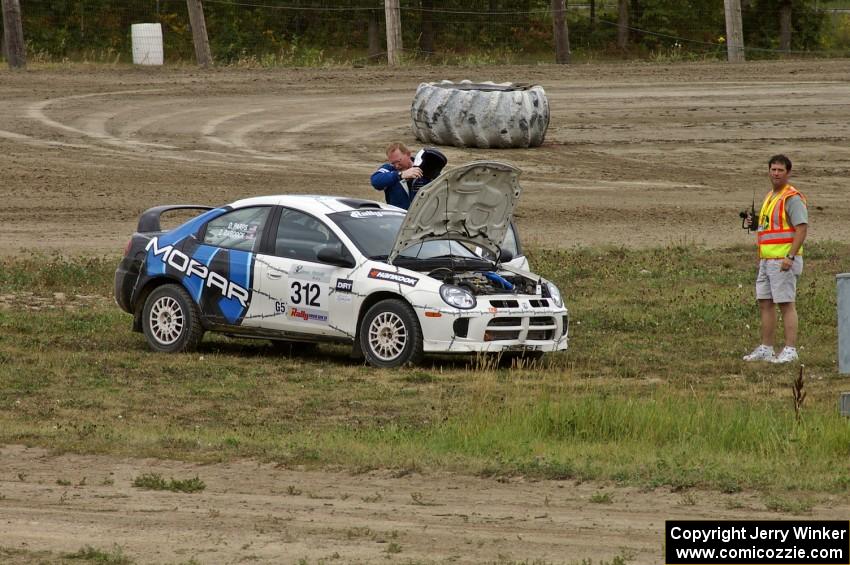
190 267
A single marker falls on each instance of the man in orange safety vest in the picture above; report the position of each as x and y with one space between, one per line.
782 227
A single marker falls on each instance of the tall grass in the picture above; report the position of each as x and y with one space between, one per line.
651 392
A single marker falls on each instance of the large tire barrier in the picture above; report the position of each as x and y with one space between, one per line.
486 115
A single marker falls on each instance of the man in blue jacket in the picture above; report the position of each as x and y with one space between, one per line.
396 176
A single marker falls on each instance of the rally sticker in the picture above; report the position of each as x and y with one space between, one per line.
374 213
392 277
305 315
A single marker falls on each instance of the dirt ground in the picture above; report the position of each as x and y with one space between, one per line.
257 513
637 155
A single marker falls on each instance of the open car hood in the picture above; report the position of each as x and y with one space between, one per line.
472 203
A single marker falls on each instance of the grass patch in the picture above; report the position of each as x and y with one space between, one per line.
154 481
789 505
652 391
95 555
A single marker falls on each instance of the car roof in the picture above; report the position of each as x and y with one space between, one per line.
320 205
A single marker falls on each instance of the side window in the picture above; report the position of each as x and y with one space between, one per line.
240 229
301 236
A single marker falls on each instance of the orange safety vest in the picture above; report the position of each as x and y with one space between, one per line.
775 232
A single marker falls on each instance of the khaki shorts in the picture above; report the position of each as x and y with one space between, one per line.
772 283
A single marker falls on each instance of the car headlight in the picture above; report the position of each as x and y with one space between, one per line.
457 297
555 294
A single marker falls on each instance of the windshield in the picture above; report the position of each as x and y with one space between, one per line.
374 232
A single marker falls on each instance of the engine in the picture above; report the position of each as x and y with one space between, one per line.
486 282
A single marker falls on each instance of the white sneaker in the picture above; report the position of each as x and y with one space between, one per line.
787 355
761 353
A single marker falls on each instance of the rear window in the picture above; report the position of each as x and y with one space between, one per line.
239 229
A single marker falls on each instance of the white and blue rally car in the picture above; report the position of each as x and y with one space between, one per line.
447 276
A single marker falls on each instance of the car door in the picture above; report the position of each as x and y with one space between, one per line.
299 294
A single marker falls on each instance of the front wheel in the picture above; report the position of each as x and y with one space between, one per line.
390 335
171 321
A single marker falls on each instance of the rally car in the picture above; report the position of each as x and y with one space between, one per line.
447 276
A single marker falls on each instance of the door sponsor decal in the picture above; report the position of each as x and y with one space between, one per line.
305 315
304 272
344 285
392 277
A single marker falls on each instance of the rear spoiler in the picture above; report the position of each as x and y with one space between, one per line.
149 220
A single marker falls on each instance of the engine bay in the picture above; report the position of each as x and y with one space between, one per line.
487 282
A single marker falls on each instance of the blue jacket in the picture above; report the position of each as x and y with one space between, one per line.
388 179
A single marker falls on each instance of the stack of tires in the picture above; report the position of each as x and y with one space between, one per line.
485 115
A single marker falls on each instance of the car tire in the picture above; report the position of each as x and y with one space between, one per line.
390 335
485 115
171 321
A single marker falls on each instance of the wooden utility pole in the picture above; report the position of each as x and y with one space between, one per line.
592 15
623 24
562 37
199 32
13 35
392 13
734 31
426 39
785 25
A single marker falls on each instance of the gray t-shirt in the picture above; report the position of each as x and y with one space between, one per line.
796 211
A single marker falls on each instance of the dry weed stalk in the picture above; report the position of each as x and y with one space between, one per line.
799 395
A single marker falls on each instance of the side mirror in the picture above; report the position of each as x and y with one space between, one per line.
505 255
333 255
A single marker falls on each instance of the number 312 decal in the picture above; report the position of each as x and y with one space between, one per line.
306 293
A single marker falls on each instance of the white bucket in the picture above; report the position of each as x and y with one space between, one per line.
147 44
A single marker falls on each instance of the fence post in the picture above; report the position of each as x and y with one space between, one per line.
843 283
734 31
394 45
562 38
13 34
374 35
199 32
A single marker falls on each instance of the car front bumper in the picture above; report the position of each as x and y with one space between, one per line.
495 330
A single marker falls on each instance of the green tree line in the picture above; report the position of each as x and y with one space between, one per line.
59 29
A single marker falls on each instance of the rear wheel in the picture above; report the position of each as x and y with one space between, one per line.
171 321
390 335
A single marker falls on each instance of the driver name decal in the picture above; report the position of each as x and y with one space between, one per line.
392 277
